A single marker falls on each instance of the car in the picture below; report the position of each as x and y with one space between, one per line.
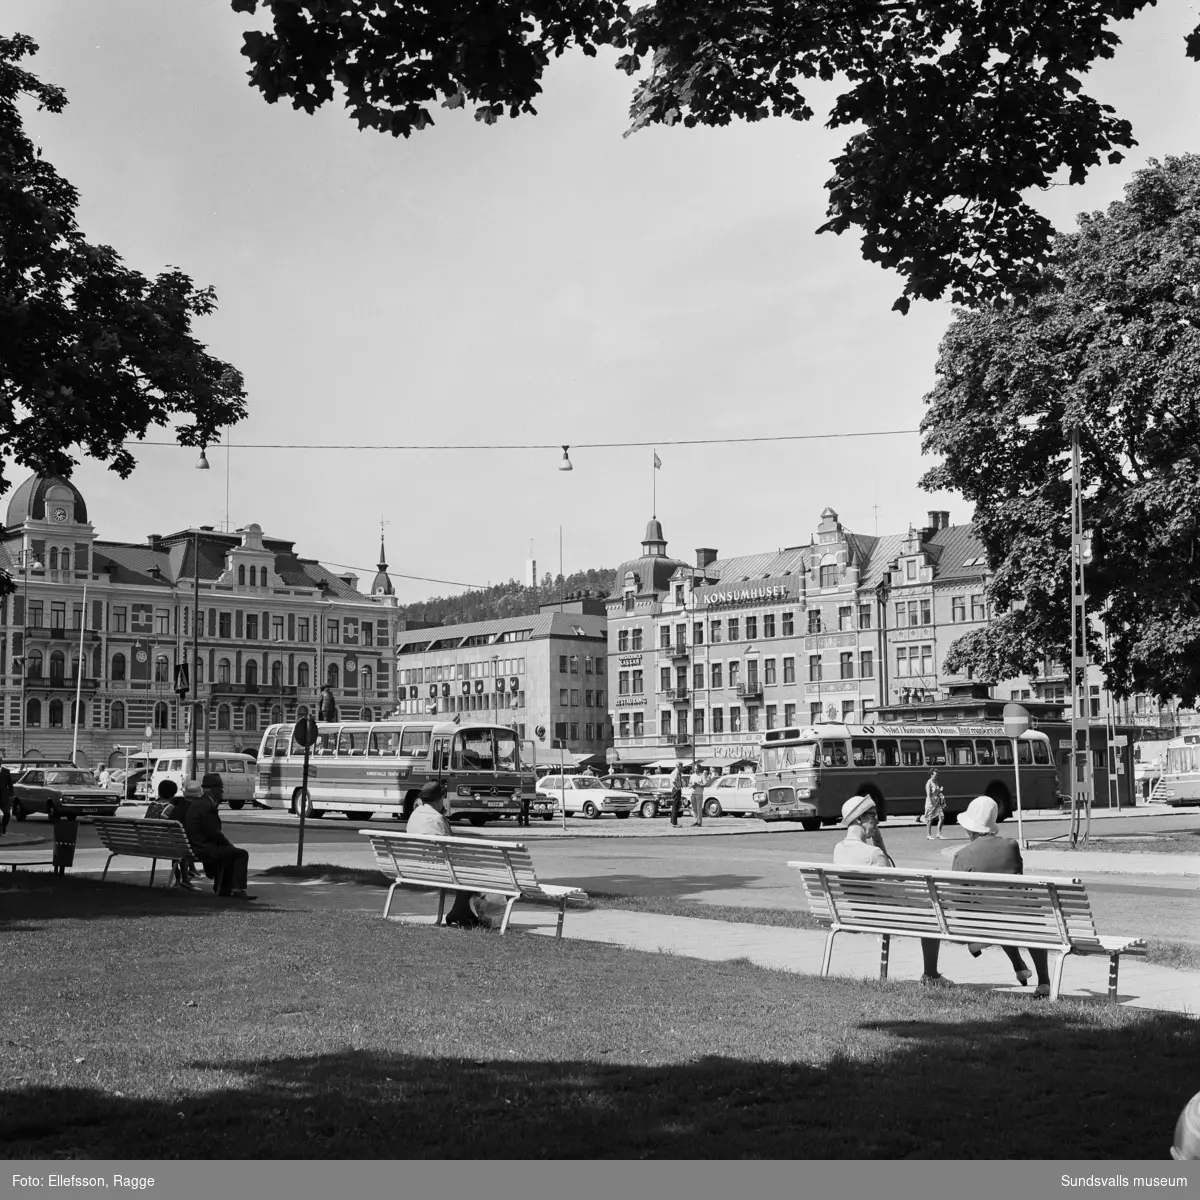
732 796
587 795
653 792
61 792
129 784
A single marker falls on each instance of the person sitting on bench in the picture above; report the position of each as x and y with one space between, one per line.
427 818
221 858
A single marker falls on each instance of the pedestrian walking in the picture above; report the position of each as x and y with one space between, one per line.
863 847
6 796
696 783
676 782
105 777
935 805
989 852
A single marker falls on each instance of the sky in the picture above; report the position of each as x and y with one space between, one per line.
542 280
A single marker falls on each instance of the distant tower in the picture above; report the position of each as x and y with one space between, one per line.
382 584
531 572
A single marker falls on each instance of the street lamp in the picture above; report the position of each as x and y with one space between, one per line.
25 563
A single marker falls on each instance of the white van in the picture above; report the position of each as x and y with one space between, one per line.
237 772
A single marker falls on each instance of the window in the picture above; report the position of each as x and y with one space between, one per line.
162 669
587 665
636 639
302 629
629 601
56 714
935 752
734 669
637 683
769 625
623 725
789 714
116 715
698 676
33 713
789 626
698 721
562 664
752 720
910 752
902 662
697 633
833 754
574 664
847 711
718 720
979 609
366 679
162 716
574 697
910 569
119 618
960 753
665 723
751 628
1041 754
58 666
58 616
814 668
985 755
251 673
901 614
622 683
333 675
588 734
714 631
769 671
752 671
866 664
846 665
1094 700
639 724
829 575
735 719
664 678
926 612
162 621
118 667
250 722
926 661
715 674
958 608
664 637
334 631
789 670
302 675
914 612
622 641
734 629
225 625
862 752
864 616
771 716
814 620
562 697
845 618
223 670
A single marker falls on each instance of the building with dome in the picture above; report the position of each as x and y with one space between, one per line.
111 622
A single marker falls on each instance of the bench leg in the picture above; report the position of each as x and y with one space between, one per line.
153 868
1056 976
104 873
562 912
508 913
828 952
1114 963
387 908
885 949
441 906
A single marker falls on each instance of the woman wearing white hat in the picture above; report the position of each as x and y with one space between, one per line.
1002 856
863 847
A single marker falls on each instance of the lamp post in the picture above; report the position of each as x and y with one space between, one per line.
197 703
25 553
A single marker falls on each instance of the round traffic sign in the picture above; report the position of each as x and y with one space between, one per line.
1016 720
149 732
305 732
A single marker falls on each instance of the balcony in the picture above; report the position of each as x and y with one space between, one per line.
253 689
682 739
750 690
60 683
59 633
678 695
678 652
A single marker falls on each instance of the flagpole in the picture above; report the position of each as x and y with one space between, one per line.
654 484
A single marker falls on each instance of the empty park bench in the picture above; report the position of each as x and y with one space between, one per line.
450 864
141 837
961 906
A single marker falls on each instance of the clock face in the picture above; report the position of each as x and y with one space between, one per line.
141 656
59 514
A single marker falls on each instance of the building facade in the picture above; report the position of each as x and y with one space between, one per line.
92 636
544 672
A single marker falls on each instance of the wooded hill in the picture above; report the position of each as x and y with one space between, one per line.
511 599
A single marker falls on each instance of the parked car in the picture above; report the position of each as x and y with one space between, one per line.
731 796
61 792
587 795
129 784
653 792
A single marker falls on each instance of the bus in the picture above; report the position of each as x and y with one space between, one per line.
1179 783
362 768
807 774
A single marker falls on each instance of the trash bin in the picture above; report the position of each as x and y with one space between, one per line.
65 833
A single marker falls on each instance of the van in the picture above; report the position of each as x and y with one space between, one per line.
237 773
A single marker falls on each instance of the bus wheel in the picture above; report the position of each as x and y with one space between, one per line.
712 808
477 819
999 793
812 824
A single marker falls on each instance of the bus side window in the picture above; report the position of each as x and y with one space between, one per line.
326 741
864 752
1041 755
961 754
282 743
384 741
985 755
935 752
415 742
910 752
887 753
1024 756
268 745
1004 754
833 754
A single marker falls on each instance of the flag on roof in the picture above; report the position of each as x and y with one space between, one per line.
657 461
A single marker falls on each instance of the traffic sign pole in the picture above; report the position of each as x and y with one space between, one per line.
1016 723
305 733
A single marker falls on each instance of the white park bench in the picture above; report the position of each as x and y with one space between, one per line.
449 864
961 906
141 837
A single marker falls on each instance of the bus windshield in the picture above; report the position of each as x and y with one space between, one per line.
783 758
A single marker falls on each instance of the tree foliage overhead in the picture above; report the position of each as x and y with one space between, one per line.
92 353
957 106
1109 345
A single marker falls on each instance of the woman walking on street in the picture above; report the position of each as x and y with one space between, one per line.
935 805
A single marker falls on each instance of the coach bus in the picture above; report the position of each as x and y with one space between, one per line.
362 768
1179 783
807 774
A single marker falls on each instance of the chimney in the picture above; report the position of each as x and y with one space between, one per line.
945 520
705 557
154 540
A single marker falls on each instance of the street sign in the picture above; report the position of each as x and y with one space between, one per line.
182 682
1016 720
305 732
147 747
1120 739
149 732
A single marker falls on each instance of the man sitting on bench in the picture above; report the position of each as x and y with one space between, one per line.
428 819
221 858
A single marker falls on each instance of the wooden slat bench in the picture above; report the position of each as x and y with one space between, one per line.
452 864
1027 911
142 837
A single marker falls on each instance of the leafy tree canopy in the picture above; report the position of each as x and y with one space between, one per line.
1108 345
958 106
92 353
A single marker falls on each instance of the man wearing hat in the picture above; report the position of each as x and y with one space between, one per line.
1000 856
863 847
226 862
429 819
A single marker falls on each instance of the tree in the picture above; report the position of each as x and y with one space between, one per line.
92 353
1108 345
961 106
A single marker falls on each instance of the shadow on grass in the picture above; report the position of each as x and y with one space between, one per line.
1012 1089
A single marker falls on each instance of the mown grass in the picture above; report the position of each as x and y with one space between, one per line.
1158 843
143 1025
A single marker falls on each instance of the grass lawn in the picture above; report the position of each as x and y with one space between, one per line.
1184 842
148 1024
